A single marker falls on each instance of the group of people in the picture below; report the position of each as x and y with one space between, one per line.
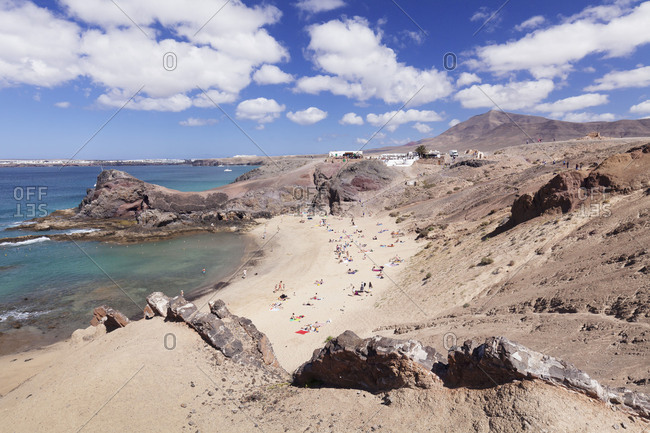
279 286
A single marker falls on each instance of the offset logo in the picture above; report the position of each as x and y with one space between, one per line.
30 201
170 61
450 61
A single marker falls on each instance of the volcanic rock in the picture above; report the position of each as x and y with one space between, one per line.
499 360
111 318
217 334
180 309
374 364
159 303
219 309
560 194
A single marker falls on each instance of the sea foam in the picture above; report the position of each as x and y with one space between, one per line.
27 242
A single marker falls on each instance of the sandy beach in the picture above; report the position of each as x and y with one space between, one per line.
300 252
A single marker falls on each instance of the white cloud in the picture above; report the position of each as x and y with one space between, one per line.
422 128
511 96
47 49
193 121
614 31
366 68
573 103
351 119
453 122
642 108
589 117
261 110
488 18
307 117
117 98
531 23
62 104
37 47
271 74
466 79
639 77
315 6
392 119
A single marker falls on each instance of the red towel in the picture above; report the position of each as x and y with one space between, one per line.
302 332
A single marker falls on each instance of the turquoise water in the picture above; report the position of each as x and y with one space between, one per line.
54 286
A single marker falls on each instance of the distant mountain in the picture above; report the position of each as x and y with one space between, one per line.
496 129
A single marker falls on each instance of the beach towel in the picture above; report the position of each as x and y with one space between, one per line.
302 332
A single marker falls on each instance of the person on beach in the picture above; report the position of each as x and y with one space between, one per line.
244 274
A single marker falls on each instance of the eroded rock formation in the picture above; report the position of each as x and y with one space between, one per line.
372 364
109 317
237 338
381 364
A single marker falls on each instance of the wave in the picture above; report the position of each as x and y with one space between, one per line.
27 242
80 231
20 315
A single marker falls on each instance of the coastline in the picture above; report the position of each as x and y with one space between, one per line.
27 337
298 254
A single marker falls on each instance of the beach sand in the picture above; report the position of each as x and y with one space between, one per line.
300 253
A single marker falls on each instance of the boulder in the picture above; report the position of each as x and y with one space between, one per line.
180 309
111 318
148 312
263 344
155 218
637 402
159 303
499 360
560 195
219 309
216 333
373 364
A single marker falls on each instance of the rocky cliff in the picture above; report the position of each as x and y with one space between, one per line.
379 364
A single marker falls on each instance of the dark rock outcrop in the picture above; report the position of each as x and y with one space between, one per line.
372 364
499 360
560 194
217 334
180 309
237 338
111 318
381 364
569 190
159 303
219 309
118 195
338 183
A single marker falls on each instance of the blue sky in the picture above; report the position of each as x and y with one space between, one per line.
303 76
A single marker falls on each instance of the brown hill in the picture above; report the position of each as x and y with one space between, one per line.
497 129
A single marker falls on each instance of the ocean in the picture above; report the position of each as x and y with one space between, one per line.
50 288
